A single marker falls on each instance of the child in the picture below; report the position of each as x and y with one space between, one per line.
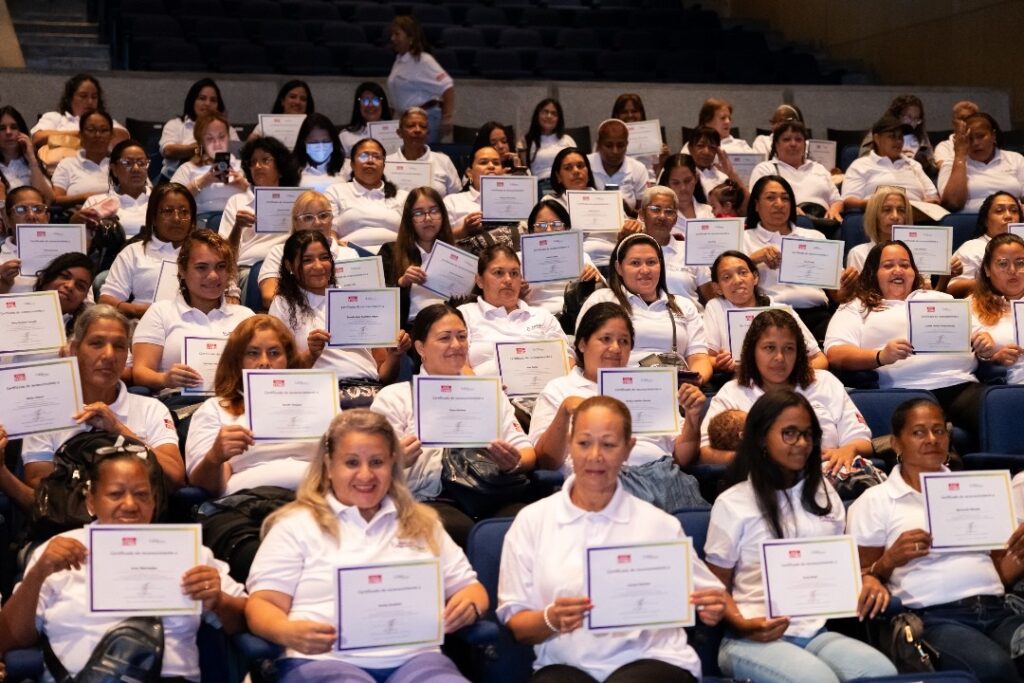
726 429
725 199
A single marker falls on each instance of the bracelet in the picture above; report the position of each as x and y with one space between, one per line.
870 570
547 622
878 358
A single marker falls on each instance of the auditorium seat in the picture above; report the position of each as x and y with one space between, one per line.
626 65
500 64
373 12
200 8
176 55
339 32
564 65
579 38
372 61
478 16
306 59
450 60
241 58
431 14
279 33
253 9
310 10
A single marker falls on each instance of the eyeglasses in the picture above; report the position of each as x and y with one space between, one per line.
310 218
133 163
790 435
261 162
421 215
369 156
132 448
1005 264
34 209
175 212
662 210
548 225
96 131
369 101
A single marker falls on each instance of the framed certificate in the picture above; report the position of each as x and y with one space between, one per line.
640 586
273 208
408 175
386 133
737 322
359 273
284 127
595 210
706 238
136 569
506 197
457 411
450 271
644 138
167 285
1016 229
810 577
939 326
290 405
931 245
649 393
31 322
1018 322
744 163
202 354
968 510
815 263
526 367
362 318
822 151
38 245
552 256
396 604
42 396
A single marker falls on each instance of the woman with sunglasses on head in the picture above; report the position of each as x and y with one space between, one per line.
177 139
128 196
371 104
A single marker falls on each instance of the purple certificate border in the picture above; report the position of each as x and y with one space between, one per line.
767 581
541 235
185 391
910 326
338 292
837 244
1018 318
686 240
426 265
420 380
255 203
514 179
936 476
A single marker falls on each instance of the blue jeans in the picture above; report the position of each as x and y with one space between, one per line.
432 666
977 635
823 658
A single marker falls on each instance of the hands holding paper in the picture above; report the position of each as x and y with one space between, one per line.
202 583
413 275
771 256
99 416
894 350
232 440
412 449
567 613
180 375
8 272
711 604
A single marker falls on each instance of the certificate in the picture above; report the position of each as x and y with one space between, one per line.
1016 229
646 585
358 318
386 133
931 246
38 245
359 273
552 256
408 175
941 326
810 577
202 354
968 510
649 393
744 163
644 138
595 211
290 405
284 127
1018 322
817 263
41 396
707 238
737 322
136 569
450 271
822 151
274 208
397 604
167 285
456 411
526 367
31 322
506 197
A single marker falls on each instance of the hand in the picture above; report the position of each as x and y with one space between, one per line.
524 290
894 350
232 440
763 629
691 400
180 375
630 226
1015 545
412 449
848 276
99 416
473 223
725 164
835 212
459 612
722 360
9 271
317 341
956 266
910 545
413 275
3 446
983 345
710 604
403 342
237 179
27 148
310 637
244 219
835 459
874 598
567 614
769 256
61 553
570 404
505 455
202 583
590 273
1008 355
961 141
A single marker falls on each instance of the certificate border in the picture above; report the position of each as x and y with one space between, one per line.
834 153
380 268
560 342
248 374
185 391
526 181
256 202
58 321
426 266
687 543
548 235
390 565
372 344
946 229
839 262
855 564
728 327
197 535
698 221
736 155
76 389
263 129
48 226
160 278
608 372
416 162
654 124
958 302
1003 474
1016 229
369 134
419 380
1018 320
569 194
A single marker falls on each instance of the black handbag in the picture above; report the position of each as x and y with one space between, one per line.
908 649
474 482
132 650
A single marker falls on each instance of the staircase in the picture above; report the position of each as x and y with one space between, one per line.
58 35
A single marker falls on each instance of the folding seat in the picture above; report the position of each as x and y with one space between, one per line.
200 8
275 33
306 59
336 33
308 10
578 39
494 63
242 58
626 65
452 63
372 12
176 55
486 16
519 38
371 61
431 14
563 65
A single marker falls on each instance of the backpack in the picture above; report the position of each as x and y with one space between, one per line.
231 525
132 650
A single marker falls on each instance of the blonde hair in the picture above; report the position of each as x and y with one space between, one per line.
416 522
303 201
874 208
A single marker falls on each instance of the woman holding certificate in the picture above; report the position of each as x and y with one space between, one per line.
782 495
464 207
128 196
371 104
177 139
212 175
960 596
543 595
354 519
997 212
71 276
63 580
998 293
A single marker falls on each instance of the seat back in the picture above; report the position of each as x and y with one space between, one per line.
695 523
878 405
1000 409
581 135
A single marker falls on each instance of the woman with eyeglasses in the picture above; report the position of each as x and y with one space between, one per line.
1000 283
367 210
464 207
19 163
24 205
128 196
550 215
319 154
177 139
994 217
371 104
78 177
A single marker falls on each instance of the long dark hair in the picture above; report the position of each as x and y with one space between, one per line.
278 107
483 135
556 182
390 189
289 286
356 122
533 133
189 109
405 253
19 120
755 194
760 298
981 227
287 169
594 319
317 120
626 98
866 288
59 265
147 231
71 85
683 161
426 319
619 255
748 374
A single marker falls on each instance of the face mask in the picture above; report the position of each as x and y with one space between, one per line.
319 152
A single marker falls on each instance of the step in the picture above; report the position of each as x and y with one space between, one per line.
64 50
55 26
58 39
67 64
43 9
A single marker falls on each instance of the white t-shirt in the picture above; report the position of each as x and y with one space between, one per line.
488 324
364 216
17 173
132 214
683 280
415 81
631 178
64 122
550 295
762 145
944 151
856 257
22 283
444 175
180 132
460 205
317 178
1003 333
252 246
546 151
136 269
710 178
972 253
716 326
869 172
797 296
78 175
811 182
1004 173
214 197
349 138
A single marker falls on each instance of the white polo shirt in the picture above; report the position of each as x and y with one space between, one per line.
63 615
869 172
547 150
364 216
136 269
856 257
17 173
147 417
944 151
64 122
972 253
460 205
631 178
488 324
919 371
317 178
716 326
22 283
882 513
700 212
797 296
272 263
841 422
597 245
730 144
542 558
78 175
762 145
252 246
1003 333
180 132
738 527
298 559
349 138
710 178
811 182
1004 173
132 214
652 325
444 175
414 81
550 295
214 196
683 280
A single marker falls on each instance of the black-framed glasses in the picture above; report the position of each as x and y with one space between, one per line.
790 435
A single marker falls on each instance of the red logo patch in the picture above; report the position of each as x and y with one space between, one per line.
542 243
275 195
211 346
912 233
953 486
446 388
375 578
353 299
801 246
930 309
278 382
12 304
40 233
627 380
625 558
19 377
453 257
128 540
520 349
794 554
168 423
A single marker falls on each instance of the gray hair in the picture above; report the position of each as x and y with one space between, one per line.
95 313
414 110
658 191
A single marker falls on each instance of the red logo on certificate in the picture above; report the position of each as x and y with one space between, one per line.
19 377
500 183
278 382
453 257
625 558
12 304
794 554
353 298
520 349
40 233
705 227
627 380
375 578
211 346
801 246
953 486
930 309
128 540
446 388
542 243
749 317
912 233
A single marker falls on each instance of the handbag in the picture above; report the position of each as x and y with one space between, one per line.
132 650
500 233
474 482
908 649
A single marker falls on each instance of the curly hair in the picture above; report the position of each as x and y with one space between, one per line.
866 288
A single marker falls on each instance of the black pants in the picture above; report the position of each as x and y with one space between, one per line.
640 671
458 524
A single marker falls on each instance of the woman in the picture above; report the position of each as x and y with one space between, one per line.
371 105
663 322
1000 283
206 266
319 153
71 276
127 200
979 167
210 183
177 139
571 172
651 473
815 193
134 276
367 210
414 129
885 164
545 137
712 161
294 98
549 215
464 207
965 613
56 134
784 112
221 456
24 205
19 164
774 356
78 177
679 173
499 314
629 108
417 80
997 212
887 206
352 508
542 594
736 276
909 111
441 339
53 598
716 113
782 494
496 135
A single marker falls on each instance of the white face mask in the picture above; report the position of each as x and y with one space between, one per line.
319 152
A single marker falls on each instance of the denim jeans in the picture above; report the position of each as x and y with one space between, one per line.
823 658
431 666
977 635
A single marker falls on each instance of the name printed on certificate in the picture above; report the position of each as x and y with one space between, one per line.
931 245
273 207
644 138
595 211
649 393
167 284
939 326
968 510
1018 322
31 323
507 198
526 367
706 238
202 354
457 411
646 585
359 273
362 318
38 245
42 396
408 175
810 577
552 256
450 271
284 127
822 151
386 133
290 405
396 604
817 263
136 569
